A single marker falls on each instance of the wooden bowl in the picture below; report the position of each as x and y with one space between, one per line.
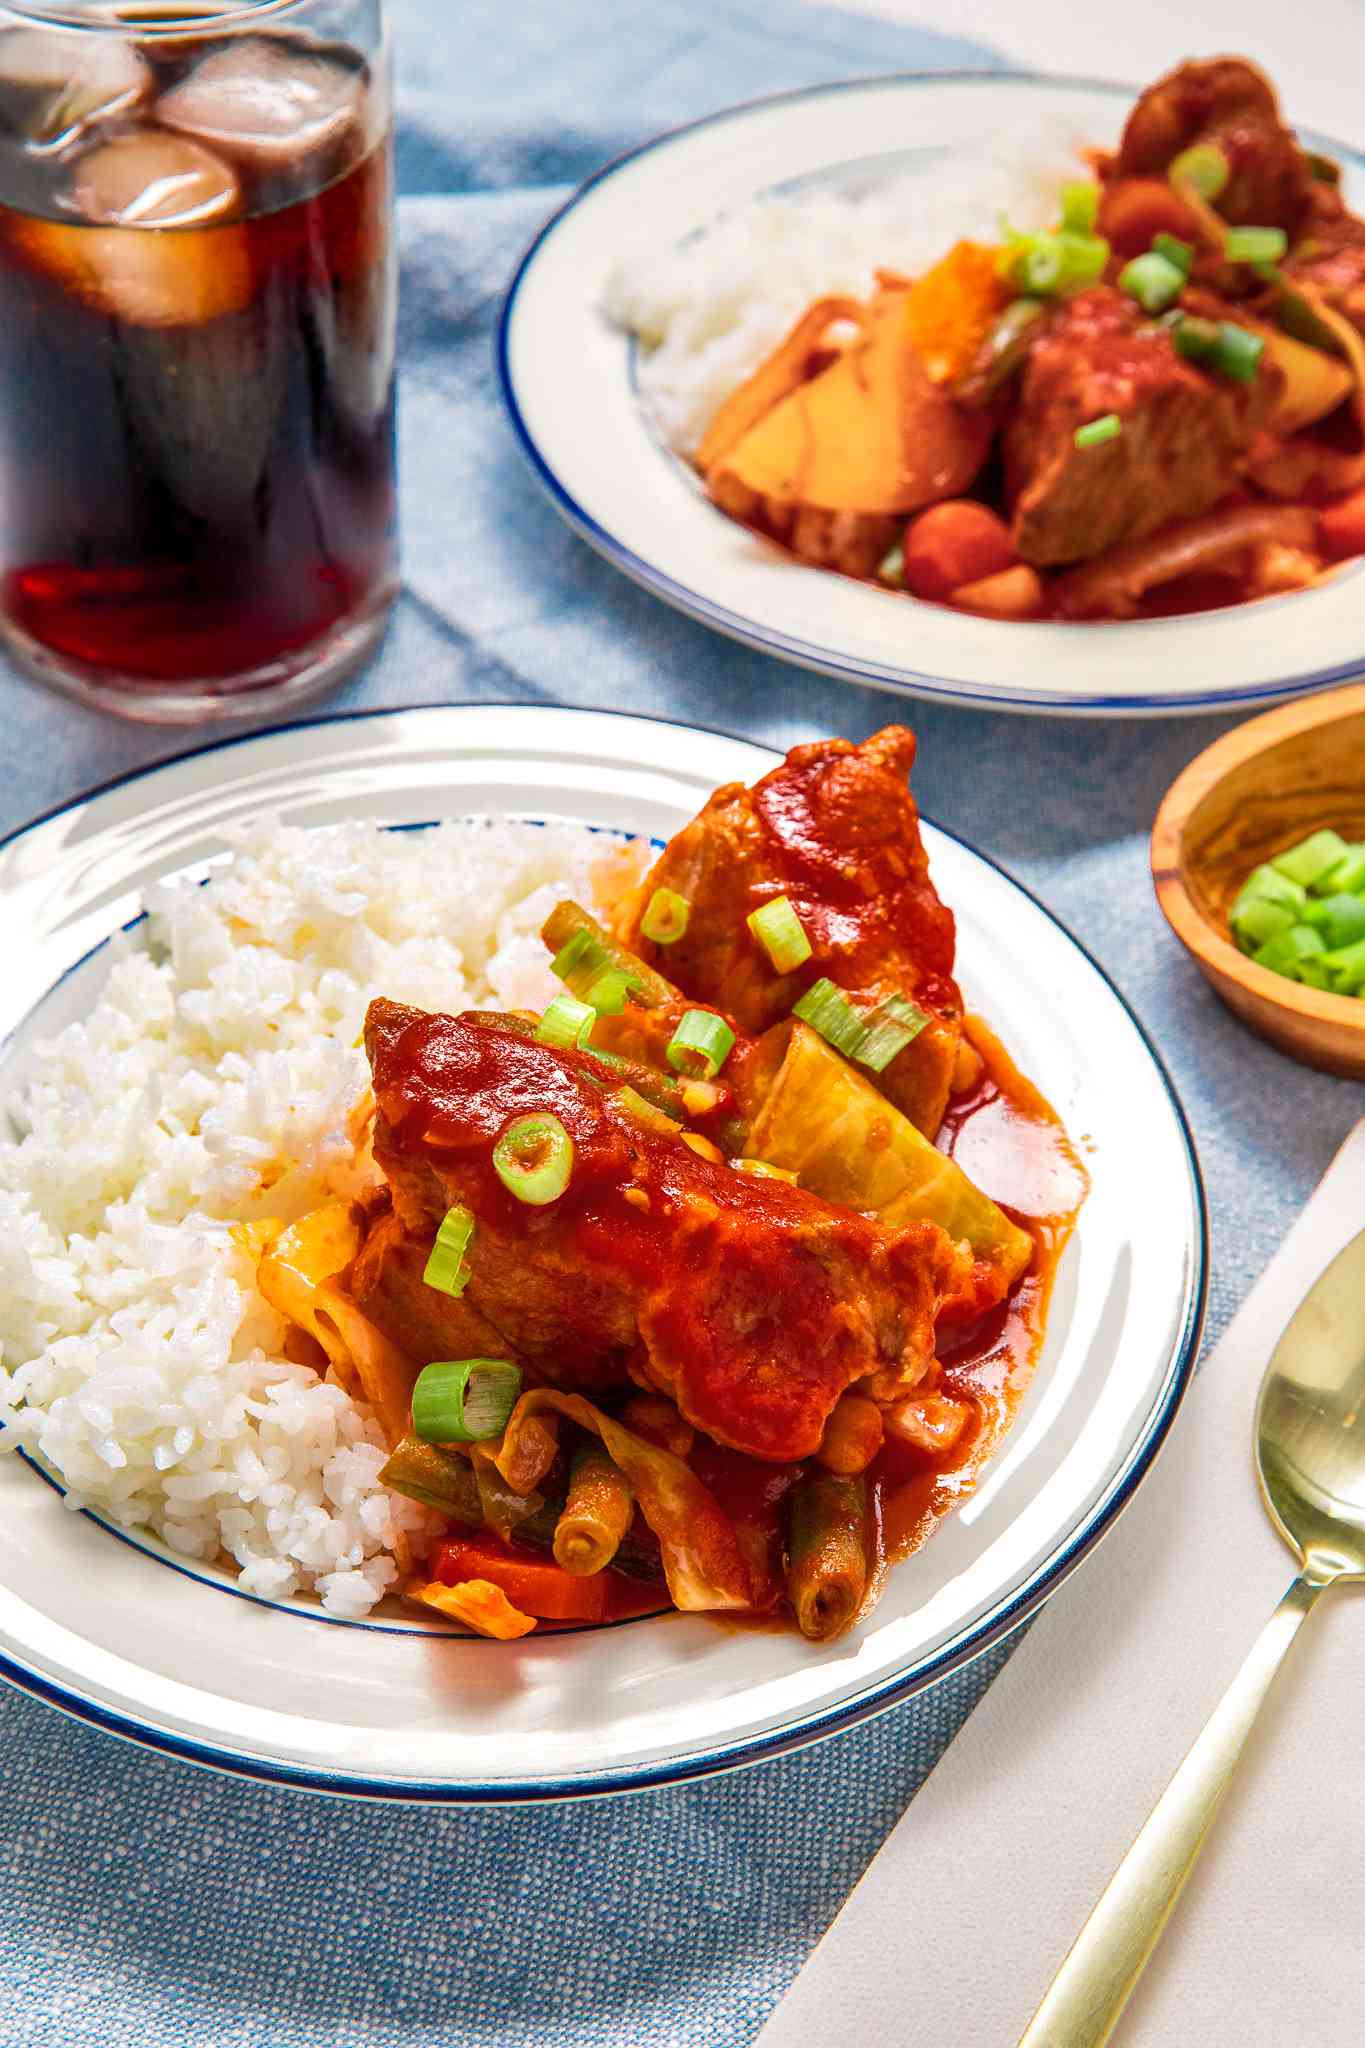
1249 796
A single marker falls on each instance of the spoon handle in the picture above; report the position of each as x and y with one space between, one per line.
1086 1997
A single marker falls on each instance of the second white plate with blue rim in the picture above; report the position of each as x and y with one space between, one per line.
568 383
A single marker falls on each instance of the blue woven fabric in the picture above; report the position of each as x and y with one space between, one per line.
142 1902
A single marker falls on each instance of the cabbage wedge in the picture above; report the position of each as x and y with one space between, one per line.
821 1120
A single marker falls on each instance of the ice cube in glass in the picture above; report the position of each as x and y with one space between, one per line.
262 100
55 88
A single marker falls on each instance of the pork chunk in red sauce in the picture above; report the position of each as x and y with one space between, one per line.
1229 103
751 1303
1185 433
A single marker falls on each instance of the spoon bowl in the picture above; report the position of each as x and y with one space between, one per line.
1310 1423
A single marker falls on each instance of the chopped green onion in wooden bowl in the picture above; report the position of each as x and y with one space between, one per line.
1302 914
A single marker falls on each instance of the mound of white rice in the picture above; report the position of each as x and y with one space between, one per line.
211 1085
710 309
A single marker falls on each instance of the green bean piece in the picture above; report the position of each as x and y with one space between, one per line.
573 935
827 1553
596 1514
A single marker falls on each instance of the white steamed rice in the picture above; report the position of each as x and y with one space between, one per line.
135 1354
710 309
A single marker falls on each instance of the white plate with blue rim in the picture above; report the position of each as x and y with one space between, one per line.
568 381
109 1625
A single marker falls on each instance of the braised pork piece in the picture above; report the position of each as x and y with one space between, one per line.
1185 344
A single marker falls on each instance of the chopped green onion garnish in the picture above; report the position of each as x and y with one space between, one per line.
1176 252
1271 886
1285 953
1347 876
1346 970
585 964
891 568
1080 206
1303 915
873 1038
1048 263
887 1032
1083 258
446 1269
1239 351
642 1111
1255 245
1256 921
1311 859
464 1400
1039 264
828 1010
1095 432
1197 340
1340 919
665 918
778 930
1153 280
566 1022
700 1046
607 995
534 1158
1204 168
570 955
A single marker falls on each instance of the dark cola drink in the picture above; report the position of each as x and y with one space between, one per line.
196 360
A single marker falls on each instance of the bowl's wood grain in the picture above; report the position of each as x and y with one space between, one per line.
1246 798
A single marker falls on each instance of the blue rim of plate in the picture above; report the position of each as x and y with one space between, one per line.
810 1728
810 654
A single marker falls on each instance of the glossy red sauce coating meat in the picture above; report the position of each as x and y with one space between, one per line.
1184 432
749 1301
835 829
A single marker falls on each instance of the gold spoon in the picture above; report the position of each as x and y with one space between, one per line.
1310 1458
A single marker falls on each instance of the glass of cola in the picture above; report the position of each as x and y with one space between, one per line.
197 309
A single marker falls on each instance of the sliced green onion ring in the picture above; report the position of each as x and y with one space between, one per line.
1239 351
1096 432
1176 252
1310 859
464 1400
642 1111
447 1269
1080 206
534 1158
828 1010
607 995
665 918
582 961
1083 258
1041 264
700 1046
891 1027
1197 340
1204 168
1153 280
1255 245
566 1022
779 931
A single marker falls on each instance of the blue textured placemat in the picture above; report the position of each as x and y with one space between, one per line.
143 1903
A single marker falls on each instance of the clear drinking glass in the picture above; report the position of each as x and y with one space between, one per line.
197 307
